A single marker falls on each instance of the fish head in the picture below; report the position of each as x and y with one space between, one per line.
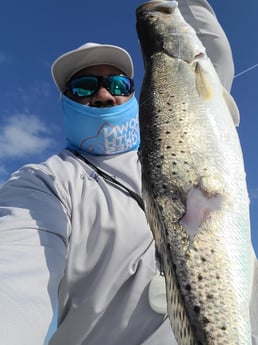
162 28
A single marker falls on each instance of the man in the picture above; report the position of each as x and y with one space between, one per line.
72 229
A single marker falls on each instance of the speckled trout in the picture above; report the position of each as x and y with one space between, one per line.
194 185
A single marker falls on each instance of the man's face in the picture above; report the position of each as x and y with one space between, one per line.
102 98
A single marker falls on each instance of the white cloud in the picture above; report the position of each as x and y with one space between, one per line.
36 93
22 135
3 174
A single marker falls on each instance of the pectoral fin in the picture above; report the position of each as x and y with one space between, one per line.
203 84
206 91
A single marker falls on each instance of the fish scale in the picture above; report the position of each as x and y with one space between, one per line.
193 179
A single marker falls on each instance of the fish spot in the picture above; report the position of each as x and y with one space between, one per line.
188 287
168 132
197 309
203 259
223 328
200 277
160 208
209 296
206 321
168 147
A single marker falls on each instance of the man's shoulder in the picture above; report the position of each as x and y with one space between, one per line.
56 167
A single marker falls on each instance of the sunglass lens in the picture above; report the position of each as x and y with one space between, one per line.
119 85
87 86
84 86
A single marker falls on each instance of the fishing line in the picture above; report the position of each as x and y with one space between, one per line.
246 70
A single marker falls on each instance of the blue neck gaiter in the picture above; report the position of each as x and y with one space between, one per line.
101 131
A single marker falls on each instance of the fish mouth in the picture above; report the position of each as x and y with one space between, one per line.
162 28
159 6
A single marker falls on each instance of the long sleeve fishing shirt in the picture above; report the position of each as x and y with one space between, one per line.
68 236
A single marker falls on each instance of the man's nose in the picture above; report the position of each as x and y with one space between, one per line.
102 98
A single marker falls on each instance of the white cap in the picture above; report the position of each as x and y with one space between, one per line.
90 54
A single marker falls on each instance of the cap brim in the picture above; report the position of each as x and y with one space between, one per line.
94 54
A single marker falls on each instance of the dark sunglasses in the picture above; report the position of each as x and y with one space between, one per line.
88 85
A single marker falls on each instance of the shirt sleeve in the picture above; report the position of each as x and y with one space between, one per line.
200 15
33 241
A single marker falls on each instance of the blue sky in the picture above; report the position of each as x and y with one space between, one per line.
34 33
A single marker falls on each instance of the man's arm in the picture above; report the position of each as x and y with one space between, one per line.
32 256
200 15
